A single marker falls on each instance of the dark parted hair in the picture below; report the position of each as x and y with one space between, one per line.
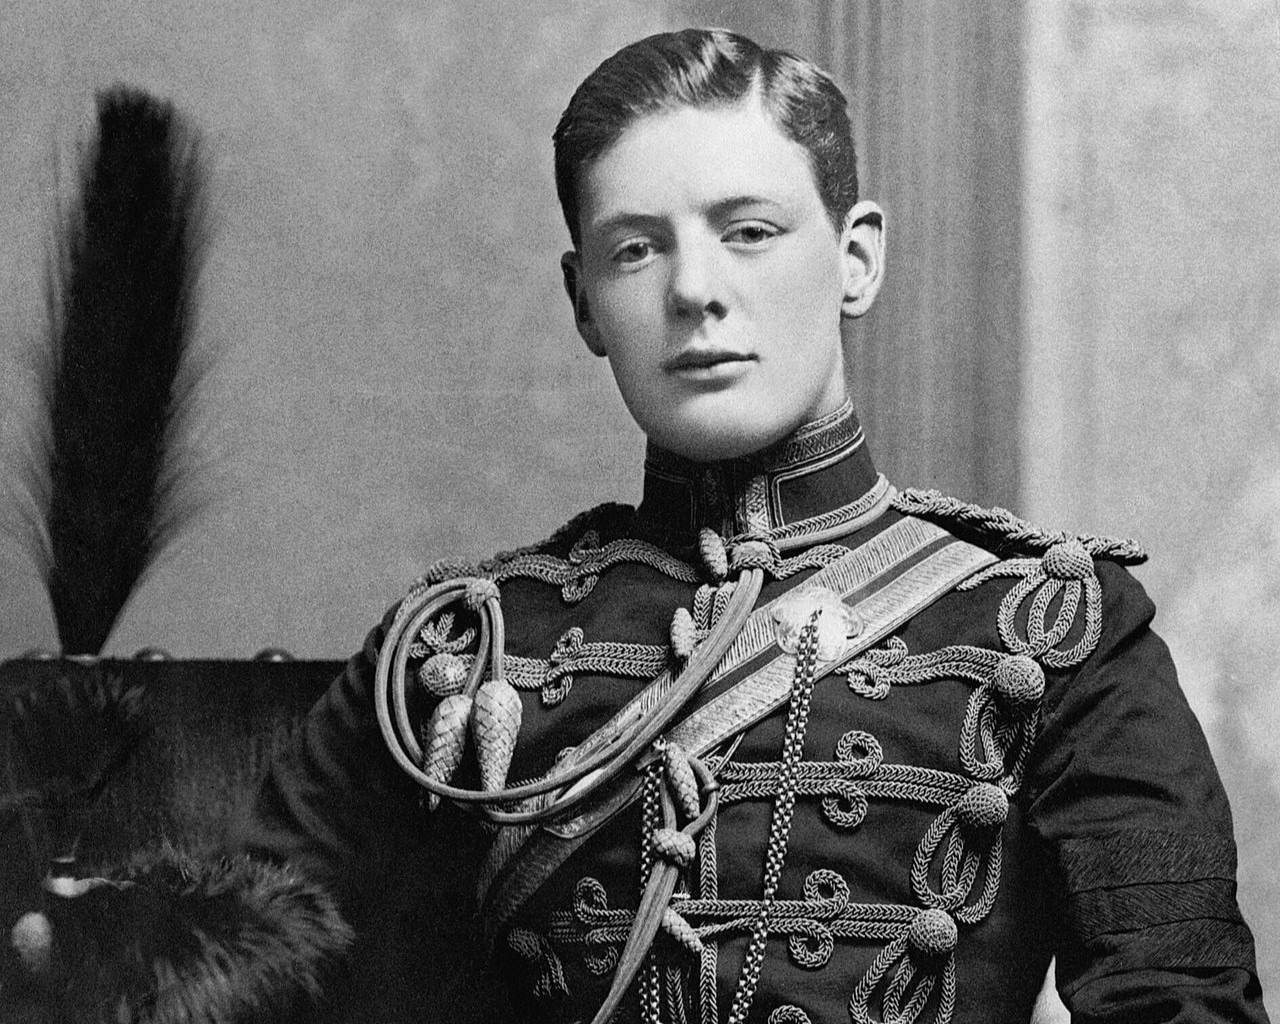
707 68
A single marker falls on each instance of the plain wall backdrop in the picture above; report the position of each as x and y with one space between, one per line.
393 370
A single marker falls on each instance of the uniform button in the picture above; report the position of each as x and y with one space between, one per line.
932 933
1068 560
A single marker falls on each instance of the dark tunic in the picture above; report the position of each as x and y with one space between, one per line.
976 792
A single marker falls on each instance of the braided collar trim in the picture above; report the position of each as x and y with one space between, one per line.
807 475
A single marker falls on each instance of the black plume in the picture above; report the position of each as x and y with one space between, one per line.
121 298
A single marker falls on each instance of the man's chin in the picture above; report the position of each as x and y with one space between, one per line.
716 439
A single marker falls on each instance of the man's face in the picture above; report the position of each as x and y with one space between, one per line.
712 278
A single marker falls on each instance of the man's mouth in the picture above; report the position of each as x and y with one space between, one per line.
704 359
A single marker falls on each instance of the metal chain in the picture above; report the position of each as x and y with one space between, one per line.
780 826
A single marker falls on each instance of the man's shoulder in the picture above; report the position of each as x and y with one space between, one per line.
1005 534
598 525
1052 595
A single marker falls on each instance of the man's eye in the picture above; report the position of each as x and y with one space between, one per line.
633 252
753 233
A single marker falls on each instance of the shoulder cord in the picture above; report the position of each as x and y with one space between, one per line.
1001 525
493 710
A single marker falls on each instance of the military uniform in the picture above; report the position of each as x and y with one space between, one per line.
943 747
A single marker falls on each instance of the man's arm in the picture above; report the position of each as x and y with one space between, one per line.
334 789
1124 793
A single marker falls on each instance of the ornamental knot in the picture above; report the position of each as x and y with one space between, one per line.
682 931
567 647
1068 560
788 1015
932 933
478 592
984 806
1019 679
752 554
674 846
714 557
443 675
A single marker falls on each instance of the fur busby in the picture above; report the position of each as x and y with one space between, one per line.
69 738
171 938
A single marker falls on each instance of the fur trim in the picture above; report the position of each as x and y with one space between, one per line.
172 939
70 737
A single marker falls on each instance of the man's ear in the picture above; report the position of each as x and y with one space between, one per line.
862 245
571 267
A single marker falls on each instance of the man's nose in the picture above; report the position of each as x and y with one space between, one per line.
695 288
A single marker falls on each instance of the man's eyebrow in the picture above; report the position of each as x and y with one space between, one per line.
723 207
622 219
717 210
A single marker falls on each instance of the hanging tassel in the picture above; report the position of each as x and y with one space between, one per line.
495 726
118 374
444 739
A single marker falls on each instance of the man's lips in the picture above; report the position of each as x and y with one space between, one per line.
702 359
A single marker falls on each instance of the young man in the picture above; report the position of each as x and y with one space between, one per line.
787 745
794 746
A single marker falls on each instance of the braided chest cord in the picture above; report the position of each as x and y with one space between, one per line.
575 782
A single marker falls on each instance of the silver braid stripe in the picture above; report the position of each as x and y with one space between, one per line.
890 665
821 524
815 558
896 953
651 819
761 780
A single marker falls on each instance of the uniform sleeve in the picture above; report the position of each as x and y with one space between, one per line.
336 806
334 791
1125 795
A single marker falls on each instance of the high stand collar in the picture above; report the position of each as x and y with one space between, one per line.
822 467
